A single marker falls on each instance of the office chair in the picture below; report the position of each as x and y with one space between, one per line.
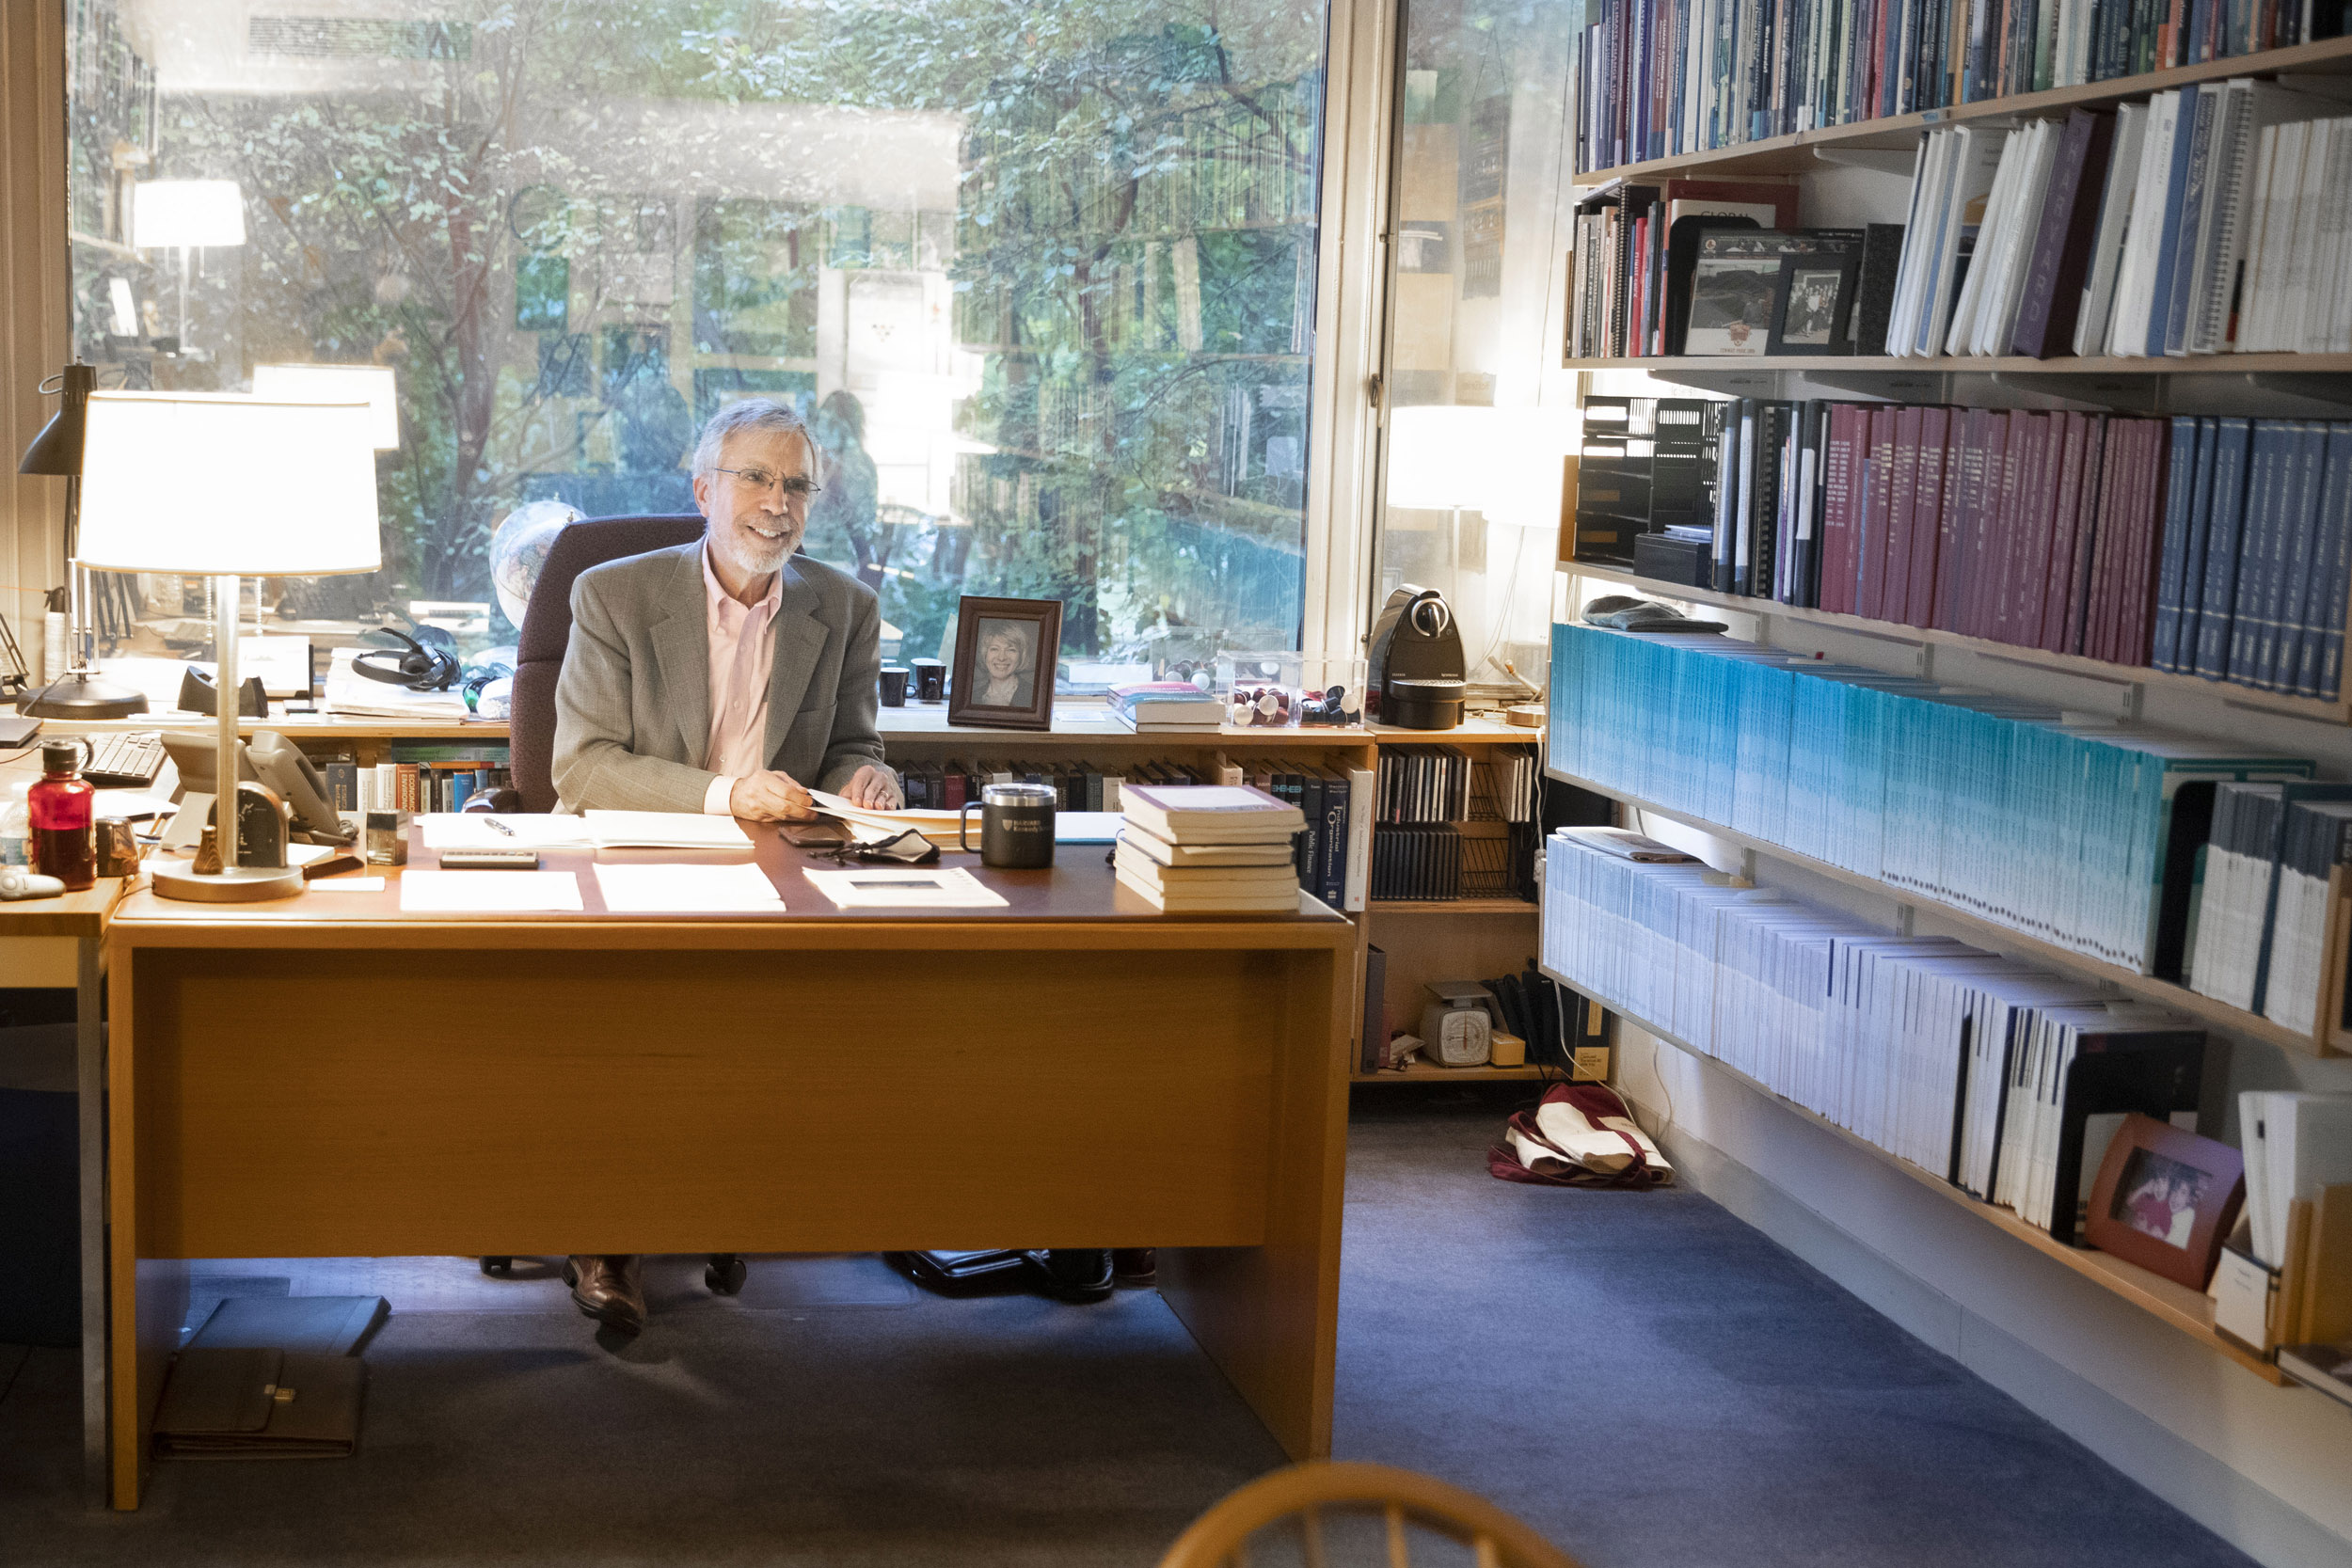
1300 1504
546 632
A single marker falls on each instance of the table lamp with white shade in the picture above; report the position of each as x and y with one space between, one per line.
187 216
224 484
372 385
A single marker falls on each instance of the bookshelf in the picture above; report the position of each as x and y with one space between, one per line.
1807 151
1675 366
1989 934
2253 700
2190 1311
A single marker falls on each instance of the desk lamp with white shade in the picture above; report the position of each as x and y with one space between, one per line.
222 485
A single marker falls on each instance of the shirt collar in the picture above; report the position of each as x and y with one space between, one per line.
721 598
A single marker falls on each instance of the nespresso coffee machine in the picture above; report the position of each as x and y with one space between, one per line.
1417 677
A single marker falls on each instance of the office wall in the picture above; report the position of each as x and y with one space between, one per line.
33 327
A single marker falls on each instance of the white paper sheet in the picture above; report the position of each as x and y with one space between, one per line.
346 884
1078 827
474 829
664 829
741 888
488 891
884 888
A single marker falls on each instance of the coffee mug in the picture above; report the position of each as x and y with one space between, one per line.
930 680
894 686
1016 826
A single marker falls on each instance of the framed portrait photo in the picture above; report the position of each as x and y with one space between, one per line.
1734 282
1006 650
2166 1199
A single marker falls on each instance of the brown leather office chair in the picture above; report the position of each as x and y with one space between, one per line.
547 631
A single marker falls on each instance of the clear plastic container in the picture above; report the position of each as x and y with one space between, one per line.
1282 689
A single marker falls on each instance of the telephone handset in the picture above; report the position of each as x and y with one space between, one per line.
271 759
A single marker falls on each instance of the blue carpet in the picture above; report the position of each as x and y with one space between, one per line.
1646 1379
1656 1385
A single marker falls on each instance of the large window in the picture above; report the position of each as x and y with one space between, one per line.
1478 415
1041 276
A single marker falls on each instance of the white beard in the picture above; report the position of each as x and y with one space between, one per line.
738 551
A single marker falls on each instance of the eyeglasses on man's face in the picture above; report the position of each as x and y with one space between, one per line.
760 481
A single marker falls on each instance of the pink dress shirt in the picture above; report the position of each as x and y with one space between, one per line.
742 657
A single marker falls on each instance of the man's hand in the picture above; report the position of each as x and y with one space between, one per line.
769 796
872 789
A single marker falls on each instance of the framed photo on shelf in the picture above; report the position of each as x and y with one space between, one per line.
1002 673
1813 302
1734 282
2165 1199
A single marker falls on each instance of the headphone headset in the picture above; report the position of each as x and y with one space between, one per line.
425 667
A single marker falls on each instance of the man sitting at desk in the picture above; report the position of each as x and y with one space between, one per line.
722 677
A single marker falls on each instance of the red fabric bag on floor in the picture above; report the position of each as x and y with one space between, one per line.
1577 1135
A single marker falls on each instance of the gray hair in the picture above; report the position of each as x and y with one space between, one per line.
745 414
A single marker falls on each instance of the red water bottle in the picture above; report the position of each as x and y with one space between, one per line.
63 811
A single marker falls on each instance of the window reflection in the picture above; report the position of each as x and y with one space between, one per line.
1042 277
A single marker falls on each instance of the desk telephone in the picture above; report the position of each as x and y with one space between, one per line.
271 759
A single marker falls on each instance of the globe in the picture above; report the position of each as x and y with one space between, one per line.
518 548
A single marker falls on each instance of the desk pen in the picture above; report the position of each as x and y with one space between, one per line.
497 825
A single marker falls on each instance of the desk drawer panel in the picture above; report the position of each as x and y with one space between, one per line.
331 1102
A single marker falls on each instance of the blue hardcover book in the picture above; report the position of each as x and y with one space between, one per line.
2172 254
2180 254
2305 563
2225 545
2180 492
2322 674
2193 563
2266 471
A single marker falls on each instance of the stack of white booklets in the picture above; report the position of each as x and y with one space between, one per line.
1954 1059
1209 848
2295 1142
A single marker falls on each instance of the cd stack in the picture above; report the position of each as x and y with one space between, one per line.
1209 848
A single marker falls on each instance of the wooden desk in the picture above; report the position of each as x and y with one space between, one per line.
330 1076
60 943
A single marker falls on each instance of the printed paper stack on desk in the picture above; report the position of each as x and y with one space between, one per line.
1209 848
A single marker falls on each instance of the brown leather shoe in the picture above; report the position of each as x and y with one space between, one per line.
1135 1267
608 1290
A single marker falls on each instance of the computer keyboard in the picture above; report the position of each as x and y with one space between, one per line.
124 760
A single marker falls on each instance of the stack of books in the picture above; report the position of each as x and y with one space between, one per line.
1209 848
1166 707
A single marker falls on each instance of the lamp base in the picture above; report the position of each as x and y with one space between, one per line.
236 884
79 694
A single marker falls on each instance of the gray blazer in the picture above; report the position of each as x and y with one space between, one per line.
632 705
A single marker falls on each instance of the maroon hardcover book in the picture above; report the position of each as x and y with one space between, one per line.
2008 532
1994 503
2138 646
1952 595
2108 541
1877 532
2061 252
2065 534
2029 434
1926 528
1840 475
2086 531
2042 517
1901 509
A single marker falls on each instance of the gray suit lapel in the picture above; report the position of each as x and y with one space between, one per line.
682 648
799 640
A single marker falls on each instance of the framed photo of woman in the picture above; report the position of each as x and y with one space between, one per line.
1003 676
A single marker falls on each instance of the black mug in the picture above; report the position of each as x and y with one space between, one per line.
1016 826
894 686
930 680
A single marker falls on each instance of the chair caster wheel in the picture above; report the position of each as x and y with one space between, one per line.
725 1273
496 1266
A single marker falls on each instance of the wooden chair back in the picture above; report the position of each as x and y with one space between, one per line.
1306 1496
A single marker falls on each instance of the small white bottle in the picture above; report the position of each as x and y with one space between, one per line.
16 828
